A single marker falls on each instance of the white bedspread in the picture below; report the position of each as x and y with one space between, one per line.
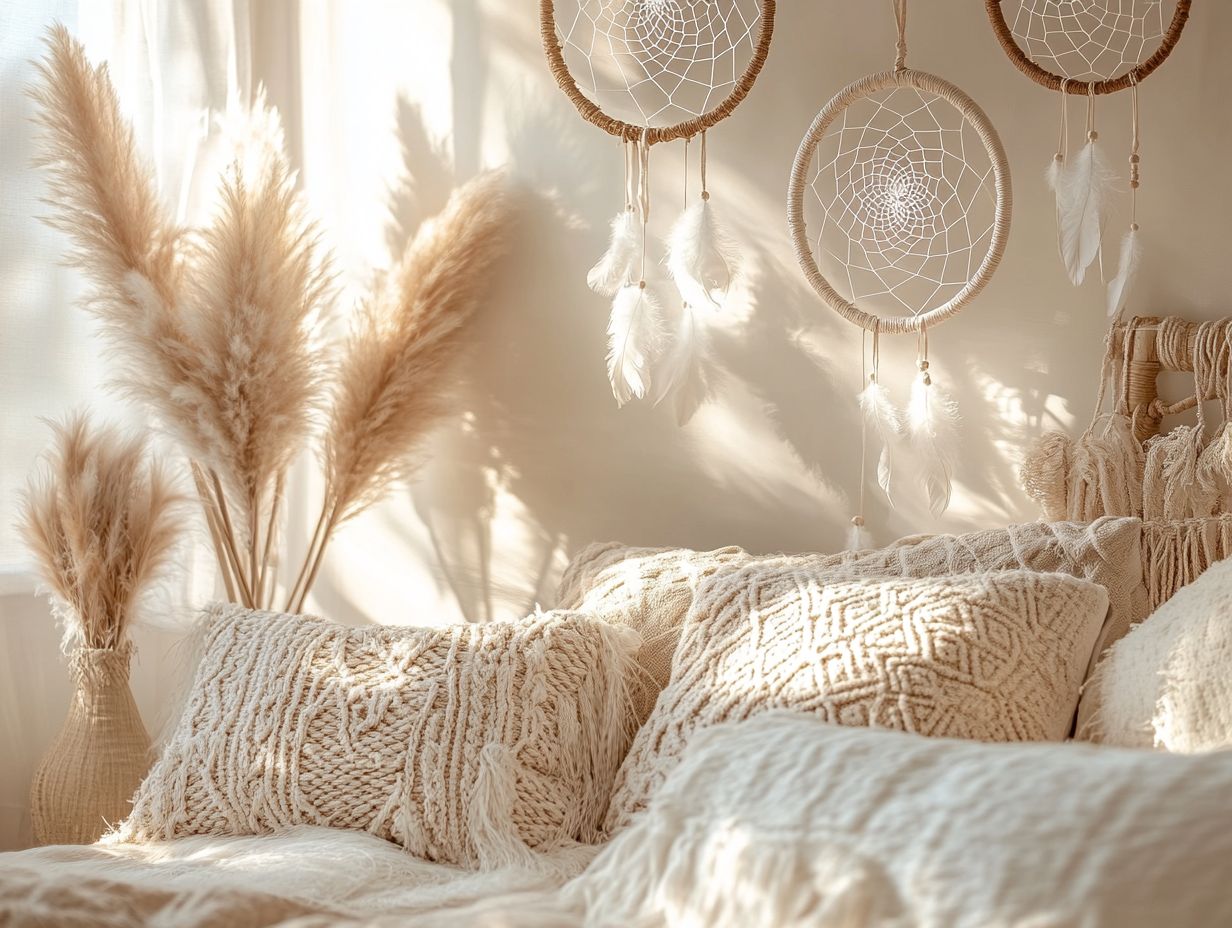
306 876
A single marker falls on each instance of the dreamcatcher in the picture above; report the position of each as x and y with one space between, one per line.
1090 47
650 71
1094 47
902 191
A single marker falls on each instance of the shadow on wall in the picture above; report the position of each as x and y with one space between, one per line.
543 461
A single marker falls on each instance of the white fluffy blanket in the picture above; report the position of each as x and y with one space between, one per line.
306 876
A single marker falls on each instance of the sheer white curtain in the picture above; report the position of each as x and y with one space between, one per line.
383 107
174 63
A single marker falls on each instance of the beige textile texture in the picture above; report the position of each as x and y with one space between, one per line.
998 656
1177 553
652 589
465 745
647 589
86 780
1168 683
208 881
783 820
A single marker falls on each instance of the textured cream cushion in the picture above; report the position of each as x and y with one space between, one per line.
651 589
1168 683
998 656
783 821
464 745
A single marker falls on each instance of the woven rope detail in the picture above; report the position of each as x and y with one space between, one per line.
1177 553
464 745
87 778
631 133
971 112
1055 82
993 657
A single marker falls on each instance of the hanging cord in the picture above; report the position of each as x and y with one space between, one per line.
1133 157
900 48
686 172
705 192
1093 136
921 355
643 197
630 154
866 380
1063 132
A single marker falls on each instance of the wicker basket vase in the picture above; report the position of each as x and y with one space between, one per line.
86 780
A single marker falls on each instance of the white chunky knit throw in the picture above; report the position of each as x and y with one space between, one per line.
465 745
651 589
1168 683
998 656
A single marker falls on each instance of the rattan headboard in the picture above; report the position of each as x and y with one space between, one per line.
1167 344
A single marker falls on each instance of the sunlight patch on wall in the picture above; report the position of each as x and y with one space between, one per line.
735 445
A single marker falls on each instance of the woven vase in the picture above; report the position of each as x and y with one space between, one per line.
86 780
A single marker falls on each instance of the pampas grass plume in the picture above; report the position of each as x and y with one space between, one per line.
392 386
101 517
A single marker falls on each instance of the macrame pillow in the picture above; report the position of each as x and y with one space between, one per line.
997 656
652 589
1168 683
784 820
465 745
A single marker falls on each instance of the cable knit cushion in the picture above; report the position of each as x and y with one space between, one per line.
464 745
783 821
998 656
1168 683
651 589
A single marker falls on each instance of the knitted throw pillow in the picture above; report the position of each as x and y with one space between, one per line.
465 745
652 589
997 656
1168 683
782 820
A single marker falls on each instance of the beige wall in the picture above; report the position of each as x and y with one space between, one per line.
773 462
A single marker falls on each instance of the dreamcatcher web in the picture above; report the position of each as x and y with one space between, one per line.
904 202
657 63
1090 40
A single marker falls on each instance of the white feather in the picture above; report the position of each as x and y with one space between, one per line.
681 372
886 422
635 338
1131 257
701 255
1053 174
615 268
932 428
859 538
1083 185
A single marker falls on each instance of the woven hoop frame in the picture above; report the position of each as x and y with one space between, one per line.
1112 84
883 80
629 132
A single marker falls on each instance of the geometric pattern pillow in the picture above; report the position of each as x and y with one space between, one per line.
652 589
998 656
465 745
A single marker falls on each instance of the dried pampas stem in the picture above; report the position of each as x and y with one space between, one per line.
393 385
101 519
